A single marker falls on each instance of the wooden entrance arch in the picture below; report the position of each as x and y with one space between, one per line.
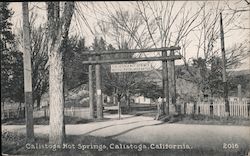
167 60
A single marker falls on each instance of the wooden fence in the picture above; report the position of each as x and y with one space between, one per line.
44 112
13 113
73 112
238 108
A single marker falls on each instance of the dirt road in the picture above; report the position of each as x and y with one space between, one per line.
139 129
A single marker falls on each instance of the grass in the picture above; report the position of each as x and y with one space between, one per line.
213 120
45 121
197 119
182 119
15 144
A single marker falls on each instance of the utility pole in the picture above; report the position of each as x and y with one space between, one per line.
98 90
27 74
91 92
224 68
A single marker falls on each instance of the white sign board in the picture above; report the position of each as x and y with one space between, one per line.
116 68
99 92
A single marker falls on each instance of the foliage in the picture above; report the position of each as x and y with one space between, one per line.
149 90
215 77
17 85
11 59
114 82
201 78
6 34
243 80
123 84
39 58
75 72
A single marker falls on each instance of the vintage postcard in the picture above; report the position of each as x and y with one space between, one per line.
125 78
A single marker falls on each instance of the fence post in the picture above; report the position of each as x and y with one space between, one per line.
72 111
211 109
45 112
8 113
185 108
248 108
194 107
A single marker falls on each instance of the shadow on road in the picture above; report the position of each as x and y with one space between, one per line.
113 126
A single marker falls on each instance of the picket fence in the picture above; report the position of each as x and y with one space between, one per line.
238 108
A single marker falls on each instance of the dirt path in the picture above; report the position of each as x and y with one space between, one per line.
147 130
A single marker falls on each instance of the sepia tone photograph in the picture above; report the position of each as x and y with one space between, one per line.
125 78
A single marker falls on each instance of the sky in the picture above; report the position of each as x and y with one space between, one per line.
88 13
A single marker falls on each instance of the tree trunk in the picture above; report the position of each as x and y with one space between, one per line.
57 37
3 110
119 105
128 100
38 101
114 97
19 110
56 135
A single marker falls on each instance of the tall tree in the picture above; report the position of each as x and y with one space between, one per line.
119 85
58 29
153 24
6 44
207 49
39 59
215 77
75 71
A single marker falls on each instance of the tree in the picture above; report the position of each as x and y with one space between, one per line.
6 45
162 24
39 59
149 90
207 53
242 9
119 85
152 24
17 85
215 77
240 79
75 72
58 29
